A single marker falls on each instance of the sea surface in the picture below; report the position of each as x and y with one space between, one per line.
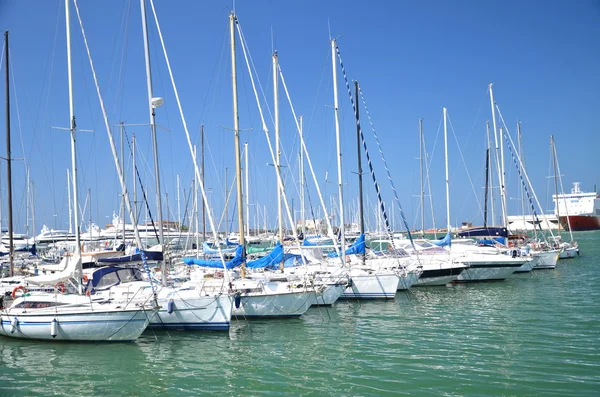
534 334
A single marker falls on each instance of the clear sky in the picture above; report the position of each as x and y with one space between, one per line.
411 59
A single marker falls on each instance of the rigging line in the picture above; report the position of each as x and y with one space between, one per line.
113 149
189 141
402 214
125 21
12 72
215 75
310 166
280 185
507 136
377 189
466 168
143 191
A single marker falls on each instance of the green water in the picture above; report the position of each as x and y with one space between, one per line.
533 334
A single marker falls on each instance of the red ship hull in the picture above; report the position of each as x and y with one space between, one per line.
580 223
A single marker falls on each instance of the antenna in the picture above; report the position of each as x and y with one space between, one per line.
329 28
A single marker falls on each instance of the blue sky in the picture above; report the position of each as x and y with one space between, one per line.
411 58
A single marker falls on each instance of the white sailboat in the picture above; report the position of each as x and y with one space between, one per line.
72 316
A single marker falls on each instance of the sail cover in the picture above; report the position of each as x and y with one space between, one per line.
358 247
445 242
235 262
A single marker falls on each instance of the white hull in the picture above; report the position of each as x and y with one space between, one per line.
571 252
481 272
526 267
408 280
545 260
372 286
330 295
186 310
76 325
290 304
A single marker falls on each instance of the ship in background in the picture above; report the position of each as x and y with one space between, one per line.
581 208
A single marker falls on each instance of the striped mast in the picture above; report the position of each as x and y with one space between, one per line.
339 152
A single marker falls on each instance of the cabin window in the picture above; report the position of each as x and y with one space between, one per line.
35 305
126 275
108 280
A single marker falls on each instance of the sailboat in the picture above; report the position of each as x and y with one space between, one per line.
568 249
68 314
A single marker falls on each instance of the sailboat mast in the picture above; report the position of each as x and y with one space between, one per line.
202 179
555 178
339 152
133 165
152 104
121 130
489 148
361 214
361 219
236 130
69 201
447 179
500 178
72 127
421 158
247 189
277 141
302 179
520 138
487 182
8 161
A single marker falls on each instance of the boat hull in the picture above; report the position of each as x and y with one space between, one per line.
110 326
580 223
438 276
185 310
477 272
372 286
567 253
266 305
330 295
545 260
408 280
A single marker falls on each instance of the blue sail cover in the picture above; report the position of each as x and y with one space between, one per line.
208 250
358 247
493 241
235 262
446 241
308 243
275 257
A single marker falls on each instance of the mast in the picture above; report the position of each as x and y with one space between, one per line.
8 162
339 153
421 158
153 103
489 146
202 179
277 146
179 205
236 130
487 182
503 178
226 203
520 138
552 147
500 168
72 127
447 180
302 181
135 214
277 149
247 191
361 214
121 129
69 201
